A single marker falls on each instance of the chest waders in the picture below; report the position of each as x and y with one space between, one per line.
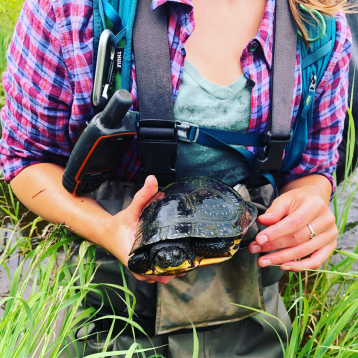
204 294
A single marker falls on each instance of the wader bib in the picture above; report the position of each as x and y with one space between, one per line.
205 295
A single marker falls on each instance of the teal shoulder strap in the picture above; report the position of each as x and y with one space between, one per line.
314 61
118 16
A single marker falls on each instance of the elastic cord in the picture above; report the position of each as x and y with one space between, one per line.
323 23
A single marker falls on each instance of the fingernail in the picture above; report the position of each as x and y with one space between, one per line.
254 249
267 214
284 268
265 262
261 239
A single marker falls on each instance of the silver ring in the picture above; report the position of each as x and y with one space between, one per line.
313 234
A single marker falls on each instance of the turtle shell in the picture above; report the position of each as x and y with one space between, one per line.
194 207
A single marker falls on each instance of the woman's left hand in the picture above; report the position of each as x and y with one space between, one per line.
288 232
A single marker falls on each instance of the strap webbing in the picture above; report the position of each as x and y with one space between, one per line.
112 15
313 57
152 61
284 60
213 142
233 138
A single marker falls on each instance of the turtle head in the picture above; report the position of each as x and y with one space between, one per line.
169 257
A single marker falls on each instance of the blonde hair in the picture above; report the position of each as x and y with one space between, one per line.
326 7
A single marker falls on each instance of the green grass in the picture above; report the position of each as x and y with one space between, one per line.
323 304
9 11
44 286
4 42
5 37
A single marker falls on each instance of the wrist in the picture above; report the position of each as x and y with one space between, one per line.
103 233
312 190
313 184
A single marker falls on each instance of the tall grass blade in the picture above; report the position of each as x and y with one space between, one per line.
195 335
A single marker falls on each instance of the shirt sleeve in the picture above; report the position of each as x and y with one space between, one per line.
38 94
330 105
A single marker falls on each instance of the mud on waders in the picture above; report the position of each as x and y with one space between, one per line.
158 133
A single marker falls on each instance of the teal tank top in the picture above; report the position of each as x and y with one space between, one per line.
212 106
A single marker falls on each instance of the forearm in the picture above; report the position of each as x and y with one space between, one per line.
318 184
39 188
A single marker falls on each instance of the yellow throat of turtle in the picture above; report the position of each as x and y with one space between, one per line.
169 271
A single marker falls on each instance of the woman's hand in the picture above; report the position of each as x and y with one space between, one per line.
288 232
122 228
40 188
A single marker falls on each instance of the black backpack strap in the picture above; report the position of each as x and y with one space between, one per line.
278 131
157 134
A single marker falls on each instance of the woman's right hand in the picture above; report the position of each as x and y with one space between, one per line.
122 227
40 188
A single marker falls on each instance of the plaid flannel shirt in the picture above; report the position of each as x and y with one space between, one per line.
49 82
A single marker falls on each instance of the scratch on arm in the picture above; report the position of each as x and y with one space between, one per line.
38 193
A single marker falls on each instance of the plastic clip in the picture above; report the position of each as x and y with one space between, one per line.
157 146
270 157
187 132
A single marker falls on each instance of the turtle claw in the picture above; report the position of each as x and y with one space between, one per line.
139 263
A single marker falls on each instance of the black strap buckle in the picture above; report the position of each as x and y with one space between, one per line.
157 141
270 156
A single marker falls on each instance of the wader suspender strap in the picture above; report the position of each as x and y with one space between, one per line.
157 133
281 92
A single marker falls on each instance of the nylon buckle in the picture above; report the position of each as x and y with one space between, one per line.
187 132
157 141
270 156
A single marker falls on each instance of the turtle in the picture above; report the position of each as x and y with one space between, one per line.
193 222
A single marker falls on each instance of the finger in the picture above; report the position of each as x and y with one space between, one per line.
318 225
160 279
313 262
164 279
143 278
154 278
278 210
290 224
150 281
142 197
299 251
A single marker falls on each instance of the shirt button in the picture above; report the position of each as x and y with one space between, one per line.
253 45
183 52
250 84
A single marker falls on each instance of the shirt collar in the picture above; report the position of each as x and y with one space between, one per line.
157 3
264 35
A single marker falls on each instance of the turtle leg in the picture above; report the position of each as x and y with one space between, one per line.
139 263
215 247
